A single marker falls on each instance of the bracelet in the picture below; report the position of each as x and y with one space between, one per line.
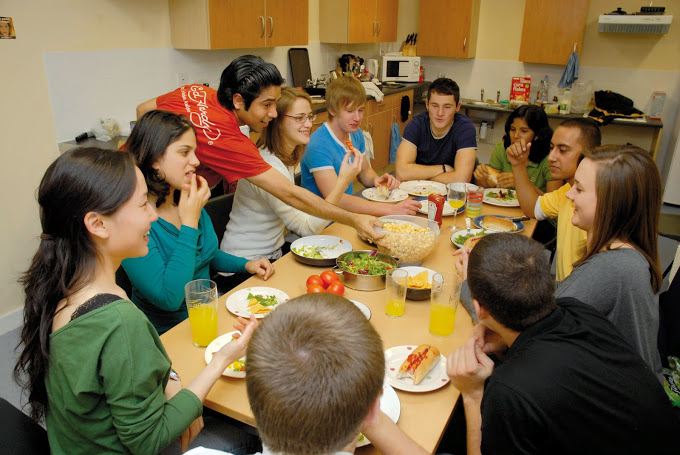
174 376
444 168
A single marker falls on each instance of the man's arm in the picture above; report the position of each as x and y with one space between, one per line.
518 155
464 165
146 106
275 183
389 438
406 168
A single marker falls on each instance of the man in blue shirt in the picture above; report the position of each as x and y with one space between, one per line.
439 144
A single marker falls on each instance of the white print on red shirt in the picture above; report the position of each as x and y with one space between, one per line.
200 119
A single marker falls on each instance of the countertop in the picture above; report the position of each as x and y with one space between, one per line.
418 88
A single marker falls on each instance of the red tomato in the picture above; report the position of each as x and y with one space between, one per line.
315 288
314 279
328 277
336 288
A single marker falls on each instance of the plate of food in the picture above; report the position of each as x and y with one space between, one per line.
502 197
236 369
423 187
415 368
319 250
462 238
448 209
498 223
419 282
256 300
363 308
390 405
376 195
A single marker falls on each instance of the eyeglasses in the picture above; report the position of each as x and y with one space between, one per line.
302 118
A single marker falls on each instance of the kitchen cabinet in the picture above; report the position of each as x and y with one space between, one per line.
448 28
379 118
231 24
552 30
320 118
358 21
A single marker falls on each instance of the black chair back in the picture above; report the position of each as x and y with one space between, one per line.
19 434
218 209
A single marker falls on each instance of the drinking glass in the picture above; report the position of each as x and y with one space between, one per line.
457 197
201 299
396 282
445 296
475 196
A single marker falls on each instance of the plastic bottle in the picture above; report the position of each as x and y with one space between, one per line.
565 102
544 89
435 207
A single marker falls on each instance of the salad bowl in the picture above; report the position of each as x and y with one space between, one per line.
364 270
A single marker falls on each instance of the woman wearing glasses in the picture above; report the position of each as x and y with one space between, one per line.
282 145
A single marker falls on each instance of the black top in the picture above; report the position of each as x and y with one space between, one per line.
92 304
570 384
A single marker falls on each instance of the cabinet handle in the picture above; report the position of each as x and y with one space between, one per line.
464 43
262 19
317 123
379 28
373 32
370 128
271 26
381 104
394 118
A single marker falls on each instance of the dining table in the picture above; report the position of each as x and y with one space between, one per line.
424 415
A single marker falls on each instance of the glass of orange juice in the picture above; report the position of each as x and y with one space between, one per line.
396 282
445 296
201 299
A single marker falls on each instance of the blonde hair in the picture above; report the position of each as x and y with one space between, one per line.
272 136
343 92
315 368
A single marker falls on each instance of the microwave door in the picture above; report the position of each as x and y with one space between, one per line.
397 68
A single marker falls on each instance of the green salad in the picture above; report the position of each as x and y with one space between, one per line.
270 300
460 239
313 252
507 195
365 264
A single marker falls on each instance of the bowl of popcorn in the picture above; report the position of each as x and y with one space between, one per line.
409 239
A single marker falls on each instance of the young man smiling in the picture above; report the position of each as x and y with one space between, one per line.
439 144
247 95
570 141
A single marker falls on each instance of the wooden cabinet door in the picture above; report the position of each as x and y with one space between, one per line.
236 24
380 126
387 13
320 118
362 22
448 28
287 22
552 30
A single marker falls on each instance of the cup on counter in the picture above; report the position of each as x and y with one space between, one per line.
475 196
445 296
201 299
396 282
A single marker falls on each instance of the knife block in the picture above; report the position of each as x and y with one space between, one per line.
408 50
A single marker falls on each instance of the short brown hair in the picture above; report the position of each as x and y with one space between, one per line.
628 188
315 368
272 138
509 275
343 92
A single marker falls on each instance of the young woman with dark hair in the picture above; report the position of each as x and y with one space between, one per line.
617 201
92 363
526 124
182 242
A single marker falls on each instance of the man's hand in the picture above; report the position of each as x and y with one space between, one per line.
506 180
406 207
386 179
236 349
365 224
488 340
468 367
518 153
462 256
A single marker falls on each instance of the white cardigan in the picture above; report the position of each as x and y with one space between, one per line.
259 220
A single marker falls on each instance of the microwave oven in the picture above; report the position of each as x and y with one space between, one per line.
397 68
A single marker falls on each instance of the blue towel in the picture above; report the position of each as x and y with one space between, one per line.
395 140
570 72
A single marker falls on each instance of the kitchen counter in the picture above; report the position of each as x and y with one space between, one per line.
418 88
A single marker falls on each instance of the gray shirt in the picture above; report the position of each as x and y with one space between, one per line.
617 283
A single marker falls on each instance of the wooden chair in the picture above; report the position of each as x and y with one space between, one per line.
19 434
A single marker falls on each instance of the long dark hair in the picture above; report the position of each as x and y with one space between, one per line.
628 187
538 123
149 139
80 181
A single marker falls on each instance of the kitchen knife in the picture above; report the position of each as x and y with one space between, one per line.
519 218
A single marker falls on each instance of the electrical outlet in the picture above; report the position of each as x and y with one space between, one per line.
182 79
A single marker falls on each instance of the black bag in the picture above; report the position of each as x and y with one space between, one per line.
610 105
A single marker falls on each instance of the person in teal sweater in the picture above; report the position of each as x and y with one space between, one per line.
525 125
182 243
93 366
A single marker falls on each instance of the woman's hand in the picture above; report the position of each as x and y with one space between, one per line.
462 256
481 176
261 267
506 180
192 199
349 171
236 348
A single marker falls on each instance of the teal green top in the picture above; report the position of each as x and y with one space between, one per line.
176 256
106 386
539 174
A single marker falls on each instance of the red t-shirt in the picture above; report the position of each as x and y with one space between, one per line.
223 150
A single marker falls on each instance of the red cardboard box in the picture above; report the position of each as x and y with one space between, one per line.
520 90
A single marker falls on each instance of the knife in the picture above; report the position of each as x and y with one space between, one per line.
415 38
519 218
467 225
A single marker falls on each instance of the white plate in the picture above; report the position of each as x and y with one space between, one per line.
423 187
434 380
390 405
514 202
464 232
395 195
330 247
217 344
447 209
237 303
363 308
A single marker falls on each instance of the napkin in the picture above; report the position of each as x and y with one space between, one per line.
373 90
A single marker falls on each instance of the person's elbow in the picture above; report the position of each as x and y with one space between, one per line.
401 171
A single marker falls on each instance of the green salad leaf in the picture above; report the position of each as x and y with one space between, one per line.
365 264
262 300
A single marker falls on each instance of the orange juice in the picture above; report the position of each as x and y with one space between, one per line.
395 308
203 320
456 204
442 319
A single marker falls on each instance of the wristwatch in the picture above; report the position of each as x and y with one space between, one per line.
444 168
174 376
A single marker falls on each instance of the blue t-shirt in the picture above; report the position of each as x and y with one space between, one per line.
462 135
325 151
